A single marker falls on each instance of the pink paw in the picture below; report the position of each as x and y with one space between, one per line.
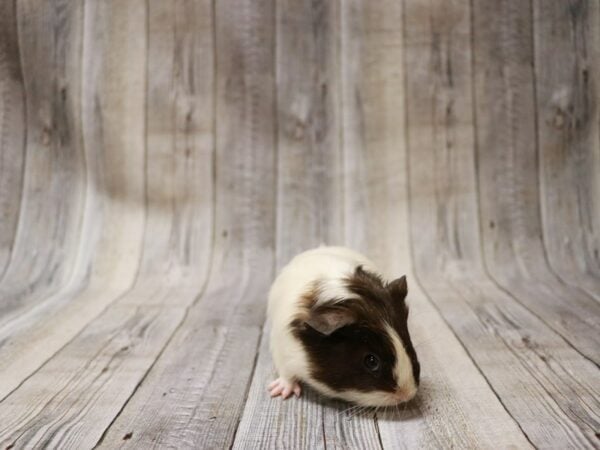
284 388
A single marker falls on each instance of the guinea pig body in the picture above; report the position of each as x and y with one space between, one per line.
339 327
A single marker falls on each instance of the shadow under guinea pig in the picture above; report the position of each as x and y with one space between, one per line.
348 411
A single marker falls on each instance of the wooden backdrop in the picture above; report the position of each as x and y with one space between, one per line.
160 160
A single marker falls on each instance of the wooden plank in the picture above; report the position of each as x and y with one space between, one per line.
455 406
268 423
114 126
308 104
12 131
194 395
175 244
522 359
111 231
180 141
91 379
309 197
49 214
567 70
104 302
46 250
310 421
509 193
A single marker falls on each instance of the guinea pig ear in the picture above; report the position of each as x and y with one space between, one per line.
398 288
327 318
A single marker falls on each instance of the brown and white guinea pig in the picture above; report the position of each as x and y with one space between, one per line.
339 327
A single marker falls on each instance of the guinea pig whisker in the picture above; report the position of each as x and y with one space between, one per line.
347 410
360 411
356 412
352 412
352 408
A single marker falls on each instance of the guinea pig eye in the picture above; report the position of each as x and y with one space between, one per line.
371 362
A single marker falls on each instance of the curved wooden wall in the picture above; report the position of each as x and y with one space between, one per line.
159 161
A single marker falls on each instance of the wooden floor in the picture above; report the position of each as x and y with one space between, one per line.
159 161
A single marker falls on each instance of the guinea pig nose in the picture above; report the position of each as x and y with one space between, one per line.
405 394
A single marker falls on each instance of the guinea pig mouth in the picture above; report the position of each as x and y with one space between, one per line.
380 398
403 395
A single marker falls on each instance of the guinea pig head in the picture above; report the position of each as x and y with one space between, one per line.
355 334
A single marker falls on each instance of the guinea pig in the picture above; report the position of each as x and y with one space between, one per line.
337 326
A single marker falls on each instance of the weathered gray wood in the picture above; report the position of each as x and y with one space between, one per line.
49 214
110 231
507 167
175 194
91 378
193 397
519 355
306 422
455 406
159 159
271 423
309 199
567 70
179 138
171 216
12 131
46 249
309 174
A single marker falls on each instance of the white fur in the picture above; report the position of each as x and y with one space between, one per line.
407 387
328 265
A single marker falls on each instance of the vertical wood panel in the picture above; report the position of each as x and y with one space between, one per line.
507 168
567 68
172 215
110 350
46 242
12 131
308 107
45 257
107 260
514 350
144 207
455 407
306 123
115 142
309 213
193 397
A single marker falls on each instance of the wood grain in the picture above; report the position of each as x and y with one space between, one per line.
159 161
567 62
12 131
520 356
308 121
110 241
455 406
91 376
49 216
194 396
308 194
510 219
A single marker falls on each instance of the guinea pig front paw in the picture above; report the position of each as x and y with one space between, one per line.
284 388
